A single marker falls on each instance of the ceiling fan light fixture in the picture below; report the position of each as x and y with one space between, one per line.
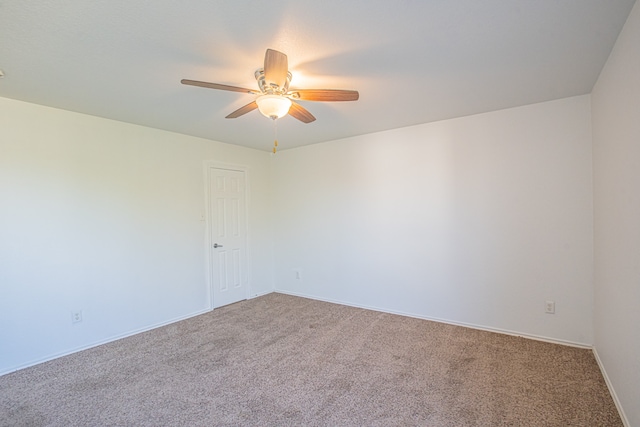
273 106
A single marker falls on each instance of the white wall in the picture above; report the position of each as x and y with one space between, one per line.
616 163
105 217
476 220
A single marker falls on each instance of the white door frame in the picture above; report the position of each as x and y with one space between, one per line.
208 165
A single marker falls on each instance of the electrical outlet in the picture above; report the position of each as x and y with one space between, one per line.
550 307
76 316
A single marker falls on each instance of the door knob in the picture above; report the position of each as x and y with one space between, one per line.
215 245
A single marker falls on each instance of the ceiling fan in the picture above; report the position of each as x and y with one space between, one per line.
275 98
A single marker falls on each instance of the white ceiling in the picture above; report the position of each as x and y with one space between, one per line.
412 61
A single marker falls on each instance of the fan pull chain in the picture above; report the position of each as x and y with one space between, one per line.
275 136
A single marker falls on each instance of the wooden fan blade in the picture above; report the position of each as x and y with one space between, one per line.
243 110
216 86
276 67
300 113
325 95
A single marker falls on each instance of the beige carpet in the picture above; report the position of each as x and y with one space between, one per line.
280 360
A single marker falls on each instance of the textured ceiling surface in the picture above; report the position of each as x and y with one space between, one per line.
412 61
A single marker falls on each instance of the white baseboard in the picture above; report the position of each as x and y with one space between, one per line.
259 294
449 322
612 391
104 341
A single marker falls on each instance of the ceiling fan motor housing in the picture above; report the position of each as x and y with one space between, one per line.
270 88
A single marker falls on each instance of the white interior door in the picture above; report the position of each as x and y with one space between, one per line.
228 236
